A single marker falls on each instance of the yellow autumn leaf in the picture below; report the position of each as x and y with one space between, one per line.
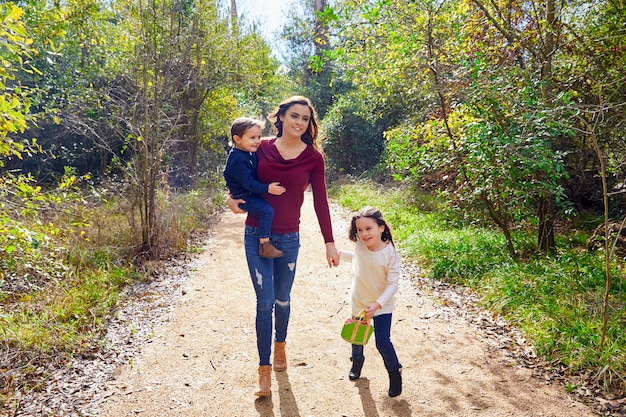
15 14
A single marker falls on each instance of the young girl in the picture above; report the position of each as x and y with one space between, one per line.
376 269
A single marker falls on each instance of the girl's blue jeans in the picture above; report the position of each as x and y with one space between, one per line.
382 335
272 280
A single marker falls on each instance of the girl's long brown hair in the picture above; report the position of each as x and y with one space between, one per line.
377 216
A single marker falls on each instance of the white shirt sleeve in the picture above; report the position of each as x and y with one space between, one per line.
345 255
393 276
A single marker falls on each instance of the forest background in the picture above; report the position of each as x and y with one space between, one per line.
492 134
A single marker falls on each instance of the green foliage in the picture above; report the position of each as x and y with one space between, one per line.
382 49
353 145
90 53
309 61
592 70
109 86
15 54
183 78
24 242
497 163
486 119
73 41
558 303
555 301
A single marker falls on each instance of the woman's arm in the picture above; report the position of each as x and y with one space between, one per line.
320 199
322 210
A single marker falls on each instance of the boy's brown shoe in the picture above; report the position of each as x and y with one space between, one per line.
267 250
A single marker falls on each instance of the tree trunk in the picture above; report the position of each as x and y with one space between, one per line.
234 18
321 30
502 223
546 209
545 231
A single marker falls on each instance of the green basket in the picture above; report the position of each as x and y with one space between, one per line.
357 330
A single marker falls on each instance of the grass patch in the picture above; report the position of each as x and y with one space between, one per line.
556 301
64 267
64 317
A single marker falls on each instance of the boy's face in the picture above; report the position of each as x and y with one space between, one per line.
250 140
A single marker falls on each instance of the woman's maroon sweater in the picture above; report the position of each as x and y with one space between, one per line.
295 175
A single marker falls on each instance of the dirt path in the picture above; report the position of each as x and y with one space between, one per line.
204 361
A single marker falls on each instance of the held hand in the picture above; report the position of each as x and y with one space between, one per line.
233 204
332 254
275 188
371 309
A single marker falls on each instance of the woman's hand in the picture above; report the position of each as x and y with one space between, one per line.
332 254
233 204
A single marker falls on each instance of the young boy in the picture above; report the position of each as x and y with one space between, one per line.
241 179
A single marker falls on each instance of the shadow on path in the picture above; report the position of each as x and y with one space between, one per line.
264 406
367 401
288 404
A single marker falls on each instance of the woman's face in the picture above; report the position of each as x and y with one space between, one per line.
296 120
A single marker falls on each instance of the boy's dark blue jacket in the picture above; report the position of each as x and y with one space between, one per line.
240 174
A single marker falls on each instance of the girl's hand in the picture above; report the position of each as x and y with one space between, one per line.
233 204
371 309
332 254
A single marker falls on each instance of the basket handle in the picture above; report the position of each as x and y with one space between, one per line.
360 316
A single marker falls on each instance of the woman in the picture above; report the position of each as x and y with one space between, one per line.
293 160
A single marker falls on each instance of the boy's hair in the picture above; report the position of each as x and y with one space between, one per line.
377 216
241 124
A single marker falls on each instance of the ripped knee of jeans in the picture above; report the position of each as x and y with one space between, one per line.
282 304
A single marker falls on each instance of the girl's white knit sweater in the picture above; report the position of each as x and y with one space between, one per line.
375 277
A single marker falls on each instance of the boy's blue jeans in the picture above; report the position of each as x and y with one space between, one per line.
382 335
256 205
272 280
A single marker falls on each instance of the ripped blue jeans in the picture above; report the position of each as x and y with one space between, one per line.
272 280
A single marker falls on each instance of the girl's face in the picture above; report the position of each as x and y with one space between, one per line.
250 140
369 232
296 120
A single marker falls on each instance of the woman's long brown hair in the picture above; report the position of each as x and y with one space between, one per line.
310 135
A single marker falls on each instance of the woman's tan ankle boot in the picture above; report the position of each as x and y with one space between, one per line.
265 381
280 358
